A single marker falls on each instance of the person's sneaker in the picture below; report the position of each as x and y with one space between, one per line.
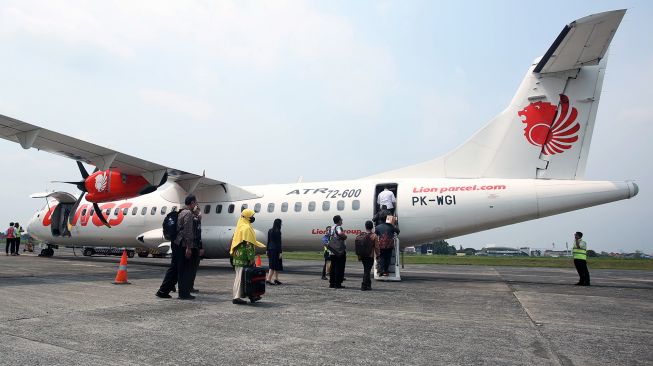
341 286
194 290
269 283
332 286
324 278
163 295
238 301
277 282
254 299
187 297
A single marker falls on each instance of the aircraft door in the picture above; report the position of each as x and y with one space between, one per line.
386 266
392 187
59 217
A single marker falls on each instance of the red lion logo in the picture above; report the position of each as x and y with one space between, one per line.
541 130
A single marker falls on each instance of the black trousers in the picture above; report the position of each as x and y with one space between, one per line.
196 266
10 243
337 272
16 244
386 258
583 273
368 262
180 271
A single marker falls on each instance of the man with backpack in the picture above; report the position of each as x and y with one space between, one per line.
386 233
367 247
184 250
338 249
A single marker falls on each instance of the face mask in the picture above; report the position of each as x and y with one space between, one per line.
251 219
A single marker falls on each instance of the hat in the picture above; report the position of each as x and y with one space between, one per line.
248 212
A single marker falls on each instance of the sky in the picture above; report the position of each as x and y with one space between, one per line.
275 82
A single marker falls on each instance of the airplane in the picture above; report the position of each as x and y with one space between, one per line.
526 163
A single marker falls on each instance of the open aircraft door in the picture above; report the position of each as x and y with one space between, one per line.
59 216
394 267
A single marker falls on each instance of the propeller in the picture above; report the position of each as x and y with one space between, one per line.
82 187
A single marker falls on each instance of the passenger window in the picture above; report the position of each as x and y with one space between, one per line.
174 208
257 208
144 211
284 207
231 208
218 209
355 205
84 212
311 206
341 205
326 205
243 207
270 207
124 211
91 213
108 212
207 209
153 211
164 209
298 206
134 211
115 212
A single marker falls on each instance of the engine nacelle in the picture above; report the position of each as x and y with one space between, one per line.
111 185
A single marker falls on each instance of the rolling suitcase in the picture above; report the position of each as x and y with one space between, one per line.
254 282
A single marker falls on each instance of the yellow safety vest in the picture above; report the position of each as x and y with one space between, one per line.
580 253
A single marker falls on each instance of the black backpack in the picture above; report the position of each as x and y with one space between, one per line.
170 225
364 245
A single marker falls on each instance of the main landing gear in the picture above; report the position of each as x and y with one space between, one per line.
48 252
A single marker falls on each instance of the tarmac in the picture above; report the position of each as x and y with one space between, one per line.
66 311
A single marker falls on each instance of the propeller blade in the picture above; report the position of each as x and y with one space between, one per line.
73 210
100 215
80 185
82 170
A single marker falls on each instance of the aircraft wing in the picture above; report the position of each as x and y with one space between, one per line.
32 136
583 42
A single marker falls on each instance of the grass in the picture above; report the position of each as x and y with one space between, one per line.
596 263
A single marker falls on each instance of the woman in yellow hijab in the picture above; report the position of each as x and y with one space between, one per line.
243 252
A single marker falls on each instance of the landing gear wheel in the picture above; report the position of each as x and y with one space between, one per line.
143 254
88 252
130 254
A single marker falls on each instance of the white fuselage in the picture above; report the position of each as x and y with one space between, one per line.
428 209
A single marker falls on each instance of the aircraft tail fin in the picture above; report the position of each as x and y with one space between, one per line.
546 130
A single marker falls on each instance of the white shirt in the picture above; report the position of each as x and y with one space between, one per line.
387 198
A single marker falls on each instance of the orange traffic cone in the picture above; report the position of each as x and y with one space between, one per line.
258 260
121 276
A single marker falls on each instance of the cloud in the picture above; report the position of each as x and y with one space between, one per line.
177 102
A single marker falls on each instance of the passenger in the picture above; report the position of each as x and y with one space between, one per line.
243 252
386 233
387 198
17 231
326 268
274 253
580 259
338 249
9 238
381 215
368 261
197 228
184 252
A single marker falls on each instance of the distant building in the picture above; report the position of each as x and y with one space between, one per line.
557 253
497 251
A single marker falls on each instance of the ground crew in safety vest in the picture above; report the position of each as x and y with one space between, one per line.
580 259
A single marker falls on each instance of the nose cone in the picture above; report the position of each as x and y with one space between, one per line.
633 189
